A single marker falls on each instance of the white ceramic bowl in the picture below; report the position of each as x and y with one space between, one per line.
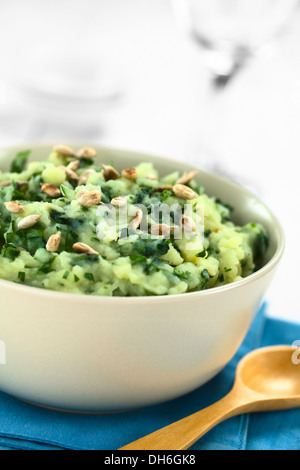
94 354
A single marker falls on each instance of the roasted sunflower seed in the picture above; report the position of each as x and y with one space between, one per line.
83 178
188 223
161 229
50 189
64 150
136 219
151 176
5 184
21 183
187 177
14 207
53 242
73 165
90 198
110 173
87 152
167 187
81 193
28 221
83 248
130 173
184 192
70 174
119 201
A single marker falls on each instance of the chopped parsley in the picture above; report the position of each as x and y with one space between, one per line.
19 162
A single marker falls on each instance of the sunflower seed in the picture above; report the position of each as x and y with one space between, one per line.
83 179
53 242
161 229
119 201
151 176
51 190
64 150
14 207
187 177
21 183
73 165
87 152
167 187
188 223
83 248
90 199
184 192
28 221
110 173
71 175
136 219
5 184
18 183
81 193
130 173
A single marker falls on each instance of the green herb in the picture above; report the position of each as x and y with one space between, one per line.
221 278
89 276
19 162
227 270
206 277
151 247
205 274
165 194
201 254
184 275
67 192
21 276
142 195
61 218
68 237
66 275
137 259
199 189
76 278
151 268
106 194
262 245
9 251
12 193
207 232
47 263
5 222
31 239
85 163
83 259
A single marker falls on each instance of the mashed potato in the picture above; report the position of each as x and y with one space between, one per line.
70 224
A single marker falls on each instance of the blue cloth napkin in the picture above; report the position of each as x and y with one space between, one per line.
24 426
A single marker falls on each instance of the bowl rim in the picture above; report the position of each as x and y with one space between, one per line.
261 272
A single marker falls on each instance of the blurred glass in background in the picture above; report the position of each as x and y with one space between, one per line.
231 31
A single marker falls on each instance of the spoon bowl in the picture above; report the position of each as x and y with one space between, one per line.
267 379
271 371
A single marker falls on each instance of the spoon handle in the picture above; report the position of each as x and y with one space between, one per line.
184 433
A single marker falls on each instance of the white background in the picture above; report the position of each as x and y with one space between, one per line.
251 132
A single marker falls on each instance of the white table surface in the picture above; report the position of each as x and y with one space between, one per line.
255 133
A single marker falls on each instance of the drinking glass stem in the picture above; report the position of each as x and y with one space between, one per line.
215 100
237 62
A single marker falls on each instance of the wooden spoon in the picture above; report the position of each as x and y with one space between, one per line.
266 379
